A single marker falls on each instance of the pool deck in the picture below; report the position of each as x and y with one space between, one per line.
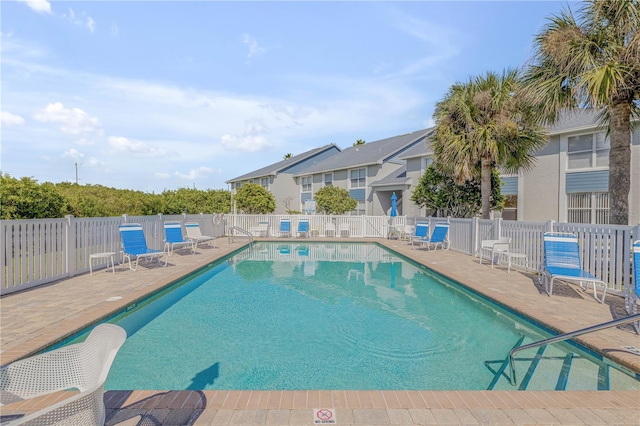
35 318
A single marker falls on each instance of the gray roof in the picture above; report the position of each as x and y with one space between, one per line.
273 169
396 177
370 153
575 119
418 150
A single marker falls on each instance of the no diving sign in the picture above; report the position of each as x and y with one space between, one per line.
324 416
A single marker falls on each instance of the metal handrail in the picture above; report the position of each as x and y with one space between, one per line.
566 336
243 231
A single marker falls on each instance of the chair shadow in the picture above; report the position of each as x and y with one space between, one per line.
165 408
156 410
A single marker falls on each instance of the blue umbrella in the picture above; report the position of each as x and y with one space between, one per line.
394 208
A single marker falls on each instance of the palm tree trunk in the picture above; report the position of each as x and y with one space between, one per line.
619 163
485 188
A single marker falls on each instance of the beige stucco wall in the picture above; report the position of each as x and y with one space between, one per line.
284 188
415 171
538 190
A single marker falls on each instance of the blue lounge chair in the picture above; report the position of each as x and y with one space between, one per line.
173 238
562 261
421 233
303 227
285 227
439 237
135 245
632 294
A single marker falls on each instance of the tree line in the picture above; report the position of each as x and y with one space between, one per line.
25 198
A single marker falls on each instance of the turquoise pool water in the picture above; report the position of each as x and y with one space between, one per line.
327 316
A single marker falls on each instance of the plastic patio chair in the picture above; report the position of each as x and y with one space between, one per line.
82 366
329 229
173 238
562 261
134 245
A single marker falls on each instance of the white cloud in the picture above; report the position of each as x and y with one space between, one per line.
85 142
40 6
254 48
161 175
73 121
196 173
73 154
138 148
83 21
91 24
253 139
8 119
114 29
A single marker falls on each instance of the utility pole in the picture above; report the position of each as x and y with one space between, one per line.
76 173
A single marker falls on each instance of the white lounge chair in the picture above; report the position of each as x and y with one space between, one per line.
194 234
82 366
329 229
344 230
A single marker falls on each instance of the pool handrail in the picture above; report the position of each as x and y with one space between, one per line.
242 231
565 336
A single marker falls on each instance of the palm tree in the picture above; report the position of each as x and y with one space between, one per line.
593 62
359 142
483 124
287 156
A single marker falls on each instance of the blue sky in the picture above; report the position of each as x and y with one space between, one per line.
162 95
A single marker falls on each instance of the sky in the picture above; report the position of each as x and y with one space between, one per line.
161 95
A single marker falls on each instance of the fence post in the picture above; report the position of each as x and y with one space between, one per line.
125 218
474 235
497 228
549 226
70 246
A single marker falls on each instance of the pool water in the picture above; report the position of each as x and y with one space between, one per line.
326 316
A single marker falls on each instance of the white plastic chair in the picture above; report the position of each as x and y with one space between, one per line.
82 366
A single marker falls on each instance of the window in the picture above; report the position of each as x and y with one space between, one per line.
510 211
306 184
359 210
588 151
238 185
588 207
264 182
328 179
358 178
428 161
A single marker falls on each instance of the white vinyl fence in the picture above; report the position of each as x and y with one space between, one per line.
40 251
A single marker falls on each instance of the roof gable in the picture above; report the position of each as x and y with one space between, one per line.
376 152
283 165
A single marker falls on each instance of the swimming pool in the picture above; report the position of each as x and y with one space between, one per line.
334 316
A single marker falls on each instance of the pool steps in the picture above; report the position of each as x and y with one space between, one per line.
552 368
